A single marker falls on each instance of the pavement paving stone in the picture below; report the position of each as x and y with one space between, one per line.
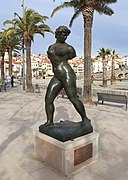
9 170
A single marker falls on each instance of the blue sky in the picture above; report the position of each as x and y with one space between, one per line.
108 32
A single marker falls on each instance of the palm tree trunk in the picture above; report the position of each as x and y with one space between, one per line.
104 73
88 19
113 77
2 68
10 61
87 66
28 68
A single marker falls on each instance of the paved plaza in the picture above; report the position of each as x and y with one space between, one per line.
21 113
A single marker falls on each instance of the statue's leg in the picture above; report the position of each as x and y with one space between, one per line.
53 90
70 88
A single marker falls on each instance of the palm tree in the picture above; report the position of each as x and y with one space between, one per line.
87 7
113 77
2 53
27 26
103 53
13 43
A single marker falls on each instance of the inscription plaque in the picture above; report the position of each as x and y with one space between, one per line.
82 154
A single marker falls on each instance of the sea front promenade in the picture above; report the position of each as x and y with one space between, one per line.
21 113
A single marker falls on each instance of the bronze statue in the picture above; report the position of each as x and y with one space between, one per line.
64 77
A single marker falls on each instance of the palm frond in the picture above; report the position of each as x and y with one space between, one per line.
75 15
104 9
106 1
17 15
7 22
46 28
64 5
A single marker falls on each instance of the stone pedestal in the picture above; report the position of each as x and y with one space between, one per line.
69 156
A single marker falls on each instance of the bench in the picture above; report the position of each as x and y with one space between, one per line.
112 98
3 87
79 92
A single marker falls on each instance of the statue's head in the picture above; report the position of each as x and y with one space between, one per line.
62 29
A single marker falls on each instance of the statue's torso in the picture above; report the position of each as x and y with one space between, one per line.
58 53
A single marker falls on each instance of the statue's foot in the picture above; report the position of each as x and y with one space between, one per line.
43 126
87 123
48 123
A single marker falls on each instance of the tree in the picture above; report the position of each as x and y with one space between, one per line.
103 53
27 26
113 77
87 7
13 43
2 53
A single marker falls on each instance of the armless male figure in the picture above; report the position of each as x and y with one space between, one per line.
64 77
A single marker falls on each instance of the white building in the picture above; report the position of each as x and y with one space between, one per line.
97 66
125 60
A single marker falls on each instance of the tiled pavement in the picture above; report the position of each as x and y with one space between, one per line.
21 113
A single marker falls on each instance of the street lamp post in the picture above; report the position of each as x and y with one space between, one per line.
23 53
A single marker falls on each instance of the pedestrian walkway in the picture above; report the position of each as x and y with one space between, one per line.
21 113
